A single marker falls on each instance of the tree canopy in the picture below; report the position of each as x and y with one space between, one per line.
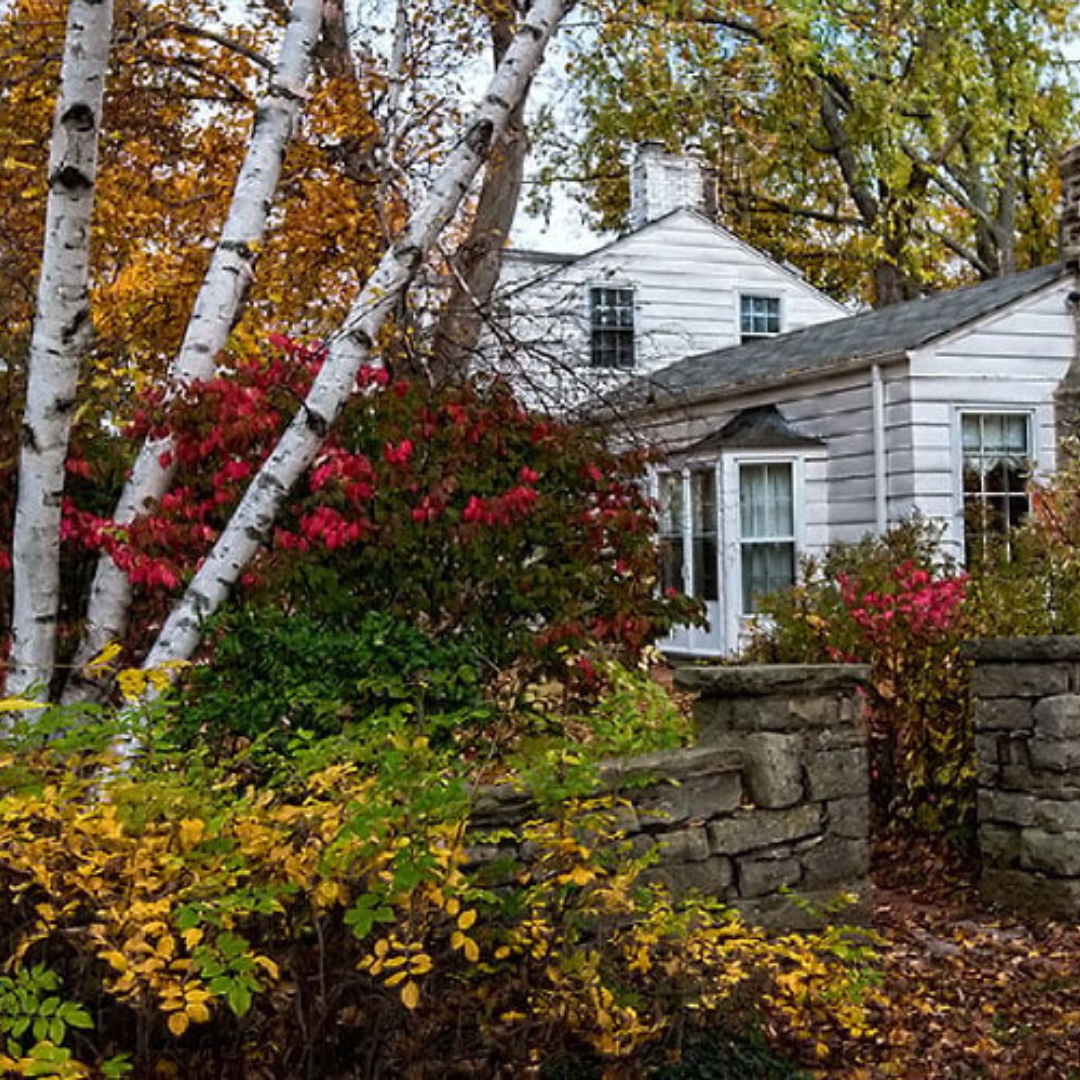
882 148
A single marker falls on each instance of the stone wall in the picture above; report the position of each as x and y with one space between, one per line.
774 796
1027 743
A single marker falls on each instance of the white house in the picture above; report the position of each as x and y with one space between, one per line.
676 284
780 446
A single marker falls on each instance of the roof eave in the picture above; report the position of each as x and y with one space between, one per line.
794 378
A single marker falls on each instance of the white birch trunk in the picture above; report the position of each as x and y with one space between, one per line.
217 306
351 346
61 328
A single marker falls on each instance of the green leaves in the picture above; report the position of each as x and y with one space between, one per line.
29 1007
864 143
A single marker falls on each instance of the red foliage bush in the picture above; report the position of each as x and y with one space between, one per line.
459 511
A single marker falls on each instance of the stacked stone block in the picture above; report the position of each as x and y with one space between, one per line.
774 796
1027 744
804 825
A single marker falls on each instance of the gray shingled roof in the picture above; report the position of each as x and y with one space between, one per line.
762 426
887 332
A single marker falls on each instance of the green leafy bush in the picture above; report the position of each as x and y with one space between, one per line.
1031 586
275 675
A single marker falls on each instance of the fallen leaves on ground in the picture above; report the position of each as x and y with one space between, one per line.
968 990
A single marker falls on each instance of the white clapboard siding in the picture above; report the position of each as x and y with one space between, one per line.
687 275
1012 361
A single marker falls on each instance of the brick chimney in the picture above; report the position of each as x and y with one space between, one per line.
1067 395
661 182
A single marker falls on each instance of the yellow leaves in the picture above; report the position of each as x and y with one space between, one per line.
191 832
135 684
192 936
410 995
18 704
269 966
186 1006
103 661
578 875
466 945
115 959
178 1023
198 1012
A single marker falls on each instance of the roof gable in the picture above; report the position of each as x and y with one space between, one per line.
762 427
561 263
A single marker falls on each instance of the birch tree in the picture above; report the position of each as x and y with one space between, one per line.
57 343
230 271
352 345
216 309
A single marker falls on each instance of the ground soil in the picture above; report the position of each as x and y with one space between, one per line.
969 991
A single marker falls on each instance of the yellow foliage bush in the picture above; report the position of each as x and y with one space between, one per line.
292 928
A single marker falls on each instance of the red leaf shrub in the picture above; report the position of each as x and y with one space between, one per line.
893 604
459 511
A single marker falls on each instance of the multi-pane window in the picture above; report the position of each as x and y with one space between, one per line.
759 316
689 540
706 584
766 530
672 555
611 325
996 462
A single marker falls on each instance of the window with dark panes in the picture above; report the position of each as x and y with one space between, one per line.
759 316
611 324
996 450
671 543
703 534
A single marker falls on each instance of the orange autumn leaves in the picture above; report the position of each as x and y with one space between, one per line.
177 118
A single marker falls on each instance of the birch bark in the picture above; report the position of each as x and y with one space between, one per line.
61 328
351 346
217 306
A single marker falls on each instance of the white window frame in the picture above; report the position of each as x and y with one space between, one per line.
684 471
737 621
758 294
621 285
729 633
693 640
983 408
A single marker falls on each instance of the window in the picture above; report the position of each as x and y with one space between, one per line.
706 584
996 451
766 530
611 324
689 541
759 316
671 532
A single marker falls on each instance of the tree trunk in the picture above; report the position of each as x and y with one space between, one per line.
217 307
351 346
478 261
890 285
61 327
